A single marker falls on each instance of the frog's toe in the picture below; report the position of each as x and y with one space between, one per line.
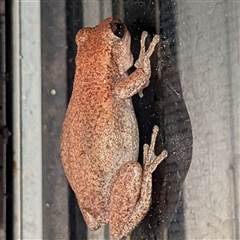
157 160
144 35
150 160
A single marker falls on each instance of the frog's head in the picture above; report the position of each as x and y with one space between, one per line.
121 42
107 43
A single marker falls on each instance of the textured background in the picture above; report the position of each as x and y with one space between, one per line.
195 73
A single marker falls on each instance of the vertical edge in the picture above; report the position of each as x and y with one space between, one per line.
56 224
31 119
16 130
74 22
91 13
3 129
118 9
100 9
26 73
232 27
105 9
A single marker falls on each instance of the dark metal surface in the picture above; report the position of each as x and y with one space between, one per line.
74 11
54 102
163 105
9 154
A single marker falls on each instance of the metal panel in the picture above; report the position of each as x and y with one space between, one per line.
208 59
95 11
208 54
54 101
27 142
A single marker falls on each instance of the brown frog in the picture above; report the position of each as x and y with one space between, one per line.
100 138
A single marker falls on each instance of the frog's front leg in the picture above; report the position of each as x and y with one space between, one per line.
130 195
139 79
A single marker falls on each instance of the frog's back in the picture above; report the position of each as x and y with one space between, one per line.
101 126
99 134
100 131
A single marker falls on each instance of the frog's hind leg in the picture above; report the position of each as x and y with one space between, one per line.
130 196
124 195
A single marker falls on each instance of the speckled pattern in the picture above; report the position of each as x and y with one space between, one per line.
100 139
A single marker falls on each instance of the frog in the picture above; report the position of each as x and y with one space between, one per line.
100 135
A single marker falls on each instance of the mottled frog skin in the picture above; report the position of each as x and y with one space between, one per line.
100 138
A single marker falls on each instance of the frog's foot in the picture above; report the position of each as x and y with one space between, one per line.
150 160
143 59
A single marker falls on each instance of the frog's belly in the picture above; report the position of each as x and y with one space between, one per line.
111 148
117 138
105 144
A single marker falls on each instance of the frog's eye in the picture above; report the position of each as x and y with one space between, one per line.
118 28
